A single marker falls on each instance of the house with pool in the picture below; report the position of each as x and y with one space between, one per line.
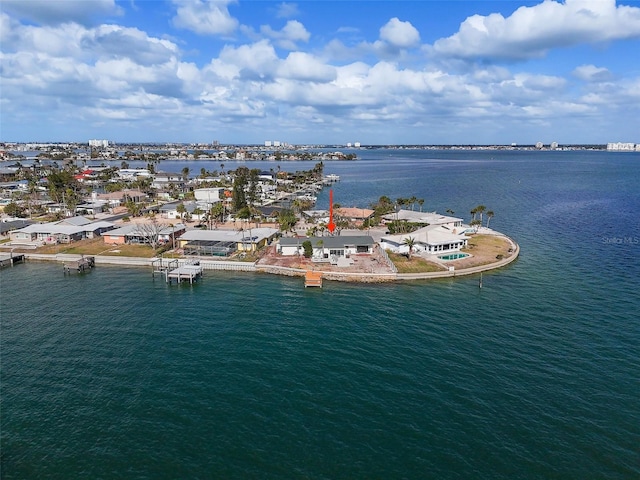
432 239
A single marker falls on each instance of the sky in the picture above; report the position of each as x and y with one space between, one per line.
320 72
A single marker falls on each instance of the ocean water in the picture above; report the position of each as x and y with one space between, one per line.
537 375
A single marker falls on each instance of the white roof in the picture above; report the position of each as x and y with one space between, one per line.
57 227
430 235
52 228
432 218
78 220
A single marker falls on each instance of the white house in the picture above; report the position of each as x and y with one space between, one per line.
327 248
66 231
431 218
433 239
209 195
191 209
133 173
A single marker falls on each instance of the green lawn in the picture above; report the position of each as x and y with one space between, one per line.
415 265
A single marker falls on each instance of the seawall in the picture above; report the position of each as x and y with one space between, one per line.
293 272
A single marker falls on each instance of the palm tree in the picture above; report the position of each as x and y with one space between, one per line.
490 215
473 213
181 209
480 209
410 242
421 202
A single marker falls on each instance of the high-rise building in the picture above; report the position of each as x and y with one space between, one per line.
99 143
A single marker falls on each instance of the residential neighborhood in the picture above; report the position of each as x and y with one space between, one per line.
245 214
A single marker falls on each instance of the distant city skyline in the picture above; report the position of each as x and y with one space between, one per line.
318 72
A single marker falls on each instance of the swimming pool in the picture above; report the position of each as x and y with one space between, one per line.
453 256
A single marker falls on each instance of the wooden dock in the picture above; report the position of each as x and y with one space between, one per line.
81 265
9 259
312 279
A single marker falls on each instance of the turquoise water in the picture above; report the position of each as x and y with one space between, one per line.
453 256
114 375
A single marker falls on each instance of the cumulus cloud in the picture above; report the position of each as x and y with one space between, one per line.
113 72
396 39
205 17
400 34
116 41
591 73
48 12
77 41
531 32
287 10
254 61
303 66
290 35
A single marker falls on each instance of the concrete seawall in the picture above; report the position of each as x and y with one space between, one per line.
464 271
277 270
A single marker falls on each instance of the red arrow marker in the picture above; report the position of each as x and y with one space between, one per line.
331 226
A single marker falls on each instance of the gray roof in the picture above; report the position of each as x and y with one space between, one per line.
77 221
222 235
133 229
13 225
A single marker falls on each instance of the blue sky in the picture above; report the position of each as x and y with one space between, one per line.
375 72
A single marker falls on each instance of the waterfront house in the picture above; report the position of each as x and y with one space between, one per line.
139 233
6 227
61 232
327 248
427 218
224 242
430 239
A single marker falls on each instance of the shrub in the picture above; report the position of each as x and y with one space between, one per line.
308 249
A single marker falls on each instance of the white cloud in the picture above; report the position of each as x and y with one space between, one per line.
591 73
205 17
52 12
77 41
396 39
287 10
288 38
400 34
531 31
303 66
111 72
